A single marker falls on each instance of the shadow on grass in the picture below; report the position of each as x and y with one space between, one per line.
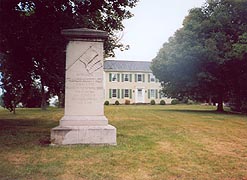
194 111
22 132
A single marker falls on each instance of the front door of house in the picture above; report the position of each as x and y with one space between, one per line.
140 95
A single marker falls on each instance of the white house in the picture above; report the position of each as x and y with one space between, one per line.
131 81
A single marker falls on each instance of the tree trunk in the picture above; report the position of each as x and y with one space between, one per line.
43 96
14 105
220 105
210 101
61 100
238 102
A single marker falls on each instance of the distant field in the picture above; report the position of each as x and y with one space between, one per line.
154 142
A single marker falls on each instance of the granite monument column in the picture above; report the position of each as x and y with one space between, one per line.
84 121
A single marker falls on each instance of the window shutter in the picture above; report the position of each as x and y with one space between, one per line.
130 77
143 78
118 77
110 96
156 93
122 77
160 94
149 77
122 93
110 77
135 77
130 93
149 94
118 93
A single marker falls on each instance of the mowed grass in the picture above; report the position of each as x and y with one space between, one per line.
154 142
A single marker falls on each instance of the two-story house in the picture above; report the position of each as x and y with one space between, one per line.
132 81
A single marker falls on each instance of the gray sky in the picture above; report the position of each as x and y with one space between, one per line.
153 23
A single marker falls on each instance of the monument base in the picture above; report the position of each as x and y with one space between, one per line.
93 135
83 121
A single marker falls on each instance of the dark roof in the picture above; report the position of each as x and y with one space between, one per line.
119 65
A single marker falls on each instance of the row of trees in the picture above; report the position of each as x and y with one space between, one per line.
32 50
207 58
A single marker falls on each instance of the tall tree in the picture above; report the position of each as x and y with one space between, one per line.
33 46
195 62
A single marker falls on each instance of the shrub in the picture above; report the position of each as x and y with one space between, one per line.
184 100
127 102
174 101
152 102
117 102
106 103
162 102
190 102
244 108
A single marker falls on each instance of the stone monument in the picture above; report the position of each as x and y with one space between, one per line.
84 121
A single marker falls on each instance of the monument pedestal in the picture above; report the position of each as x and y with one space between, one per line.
93 135
84 121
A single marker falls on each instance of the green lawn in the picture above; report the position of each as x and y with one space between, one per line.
154 142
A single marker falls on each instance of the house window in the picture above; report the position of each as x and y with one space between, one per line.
152 93
126 77
126 93
114 93
139 77
114 77
152 78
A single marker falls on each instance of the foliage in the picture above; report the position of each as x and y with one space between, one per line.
162 102
1 101
174 102
116 102
12 95
205 58
106 103
152 102
32 47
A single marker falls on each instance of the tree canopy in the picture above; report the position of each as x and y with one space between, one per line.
206 58
32 49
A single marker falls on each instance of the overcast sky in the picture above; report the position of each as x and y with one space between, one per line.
153 23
